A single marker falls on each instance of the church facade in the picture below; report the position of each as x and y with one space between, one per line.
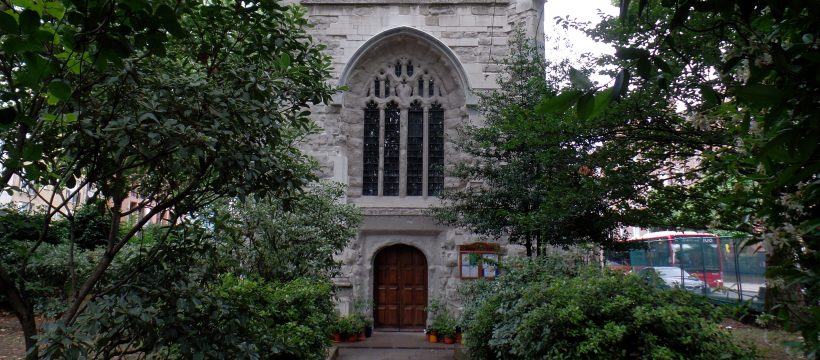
411 70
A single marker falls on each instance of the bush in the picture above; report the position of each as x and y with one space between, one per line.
551 309
238 318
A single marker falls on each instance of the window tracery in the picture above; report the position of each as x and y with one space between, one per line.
403 112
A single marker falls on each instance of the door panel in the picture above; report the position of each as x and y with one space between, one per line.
400 288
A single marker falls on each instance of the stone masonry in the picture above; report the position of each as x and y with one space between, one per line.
450 47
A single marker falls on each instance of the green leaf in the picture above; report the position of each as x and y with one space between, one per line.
7 116
168 18
602 101
585 105
32 152
284 61
662 65
558 104
579 80
681 15
55 9
758 95
60 89
630 53
643 67
8 25
711 98
29 21
621 85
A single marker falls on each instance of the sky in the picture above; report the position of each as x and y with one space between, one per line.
581 10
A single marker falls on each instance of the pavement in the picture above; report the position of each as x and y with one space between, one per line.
385 345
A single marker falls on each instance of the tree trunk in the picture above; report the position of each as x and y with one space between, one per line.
528 245
23 309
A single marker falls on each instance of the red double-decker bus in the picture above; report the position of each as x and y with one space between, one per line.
696 253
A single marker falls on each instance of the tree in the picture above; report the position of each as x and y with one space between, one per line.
285 240
242 279
182 103
746 70
549 178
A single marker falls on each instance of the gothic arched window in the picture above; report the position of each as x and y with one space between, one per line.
403 145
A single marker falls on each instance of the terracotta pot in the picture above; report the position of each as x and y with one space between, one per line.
337 338
362 337
352 338
448 340
459 338
432 338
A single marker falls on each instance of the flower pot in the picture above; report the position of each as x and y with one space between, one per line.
459 338
337 338
432 338
361 336
368 331
352 338
448 340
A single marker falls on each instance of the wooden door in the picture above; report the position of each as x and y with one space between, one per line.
400 289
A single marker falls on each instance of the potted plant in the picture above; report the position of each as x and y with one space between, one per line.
459 337
368 327
435 309
363 308
347 329
359 325
335 330
448 330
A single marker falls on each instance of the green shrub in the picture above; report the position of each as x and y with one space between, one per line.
238 318
543 309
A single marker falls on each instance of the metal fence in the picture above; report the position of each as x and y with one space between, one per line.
724 269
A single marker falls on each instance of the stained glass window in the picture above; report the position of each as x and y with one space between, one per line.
377 88
370 178
386 88
394 163
415 149
392 126
435 151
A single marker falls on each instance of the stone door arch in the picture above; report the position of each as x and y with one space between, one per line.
400 289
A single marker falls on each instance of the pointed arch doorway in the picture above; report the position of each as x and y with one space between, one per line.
400 289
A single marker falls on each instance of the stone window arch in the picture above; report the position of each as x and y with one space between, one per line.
403 120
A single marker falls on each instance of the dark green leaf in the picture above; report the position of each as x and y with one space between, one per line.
758 95
32 152
558 104
711 98
680 17
168 18
585 105
7 115
579 80
602 101
644 67
59 89
7 23
29 21
662 65
284 61
630 53
621 84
